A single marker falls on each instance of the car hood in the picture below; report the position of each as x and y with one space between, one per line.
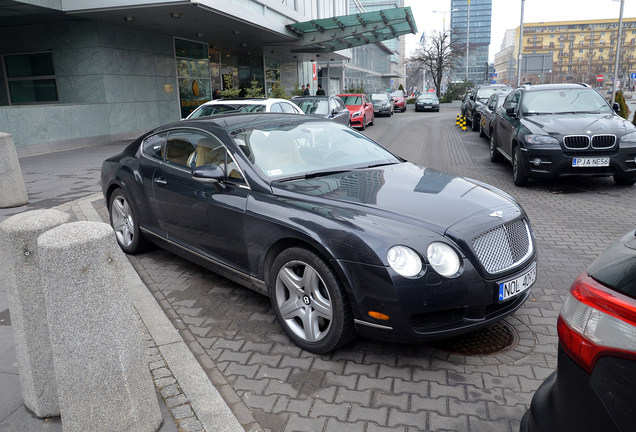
568 124
402 192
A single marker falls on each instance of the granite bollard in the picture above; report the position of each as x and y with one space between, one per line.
12 189
103 382
18 252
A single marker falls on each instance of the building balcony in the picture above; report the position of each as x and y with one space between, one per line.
564 38
539 39
590 37
566 54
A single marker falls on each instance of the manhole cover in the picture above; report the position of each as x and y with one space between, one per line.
482 342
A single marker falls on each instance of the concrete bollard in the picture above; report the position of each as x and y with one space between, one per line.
19 253
12 190
102 379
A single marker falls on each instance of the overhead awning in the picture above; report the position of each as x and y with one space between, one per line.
338 33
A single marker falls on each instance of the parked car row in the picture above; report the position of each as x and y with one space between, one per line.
552 130
355 110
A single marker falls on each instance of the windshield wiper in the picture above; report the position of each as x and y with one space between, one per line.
380 164
312 175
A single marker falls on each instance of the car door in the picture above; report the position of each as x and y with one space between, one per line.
367 106
152 151
205 217
507 123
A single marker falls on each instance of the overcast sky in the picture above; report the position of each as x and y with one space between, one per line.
506 14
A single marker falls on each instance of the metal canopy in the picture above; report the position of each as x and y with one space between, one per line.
337 33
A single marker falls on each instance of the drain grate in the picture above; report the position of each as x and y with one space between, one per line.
482 342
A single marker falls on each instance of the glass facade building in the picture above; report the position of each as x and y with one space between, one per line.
478 40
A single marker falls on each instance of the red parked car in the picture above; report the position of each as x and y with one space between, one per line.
399 100
361 109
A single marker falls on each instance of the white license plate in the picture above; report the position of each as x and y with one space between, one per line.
428 106
518 285
591 162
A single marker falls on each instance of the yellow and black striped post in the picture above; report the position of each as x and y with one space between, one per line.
457 120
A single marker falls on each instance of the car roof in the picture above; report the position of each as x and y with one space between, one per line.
555 86
245 101
233 121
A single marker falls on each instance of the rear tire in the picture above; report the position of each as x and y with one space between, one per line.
518 177
123 219
495 156
310 302
372 119
473 124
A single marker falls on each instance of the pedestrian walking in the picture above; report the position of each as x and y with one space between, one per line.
320 91
306 92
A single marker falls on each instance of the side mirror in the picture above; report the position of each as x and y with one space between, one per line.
335 112
616 107
211 173
510 111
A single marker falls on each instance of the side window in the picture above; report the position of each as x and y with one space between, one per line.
210 150
180 147
288 108
365 99
512 100
152 146
276 108
332 105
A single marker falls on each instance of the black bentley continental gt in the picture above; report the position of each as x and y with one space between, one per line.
344 236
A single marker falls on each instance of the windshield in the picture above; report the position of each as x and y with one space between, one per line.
351 100
556 101
379 97
427 98
485 93
281 152
210 110
314 106
397 93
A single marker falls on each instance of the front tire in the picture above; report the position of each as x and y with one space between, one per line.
482 134
309 301
364 123
123 219
518 176
624 181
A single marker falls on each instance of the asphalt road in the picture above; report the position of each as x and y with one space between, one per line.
372 386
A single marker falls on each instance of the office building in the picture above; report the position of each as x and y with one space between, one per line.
76 72
478 40
581 51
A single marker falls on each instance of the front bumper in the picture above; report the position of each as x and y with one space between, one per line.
426 308
552 163
426 107
382 111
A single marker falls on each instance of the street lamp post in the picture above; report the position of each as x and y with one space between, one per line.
467 38
444 20
618 51
520 44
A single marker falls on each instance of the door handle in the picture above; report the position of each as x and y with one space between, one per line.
160 181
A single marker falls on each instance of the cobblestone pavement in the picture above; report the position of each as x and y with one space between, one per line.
371 386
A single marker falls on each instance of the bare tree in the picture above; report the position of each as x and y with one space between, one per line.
438 55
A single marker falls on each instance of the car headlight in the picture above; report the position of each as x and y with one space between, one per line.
443 259
405 261
356 114
628 140
386 105
544 141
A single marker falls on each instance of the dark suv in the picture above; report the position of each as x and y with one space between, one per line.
554 130
477 99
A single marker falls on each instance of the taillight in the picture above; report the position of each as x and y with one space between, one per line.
596 321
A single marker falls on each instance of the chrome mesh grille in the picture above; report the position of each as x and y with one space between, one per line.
503 247
603 141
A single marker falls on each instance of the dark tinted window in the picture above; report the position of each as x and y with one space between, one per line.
152 146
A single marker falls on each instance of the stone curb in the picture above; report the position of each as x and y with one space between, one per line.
192 399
